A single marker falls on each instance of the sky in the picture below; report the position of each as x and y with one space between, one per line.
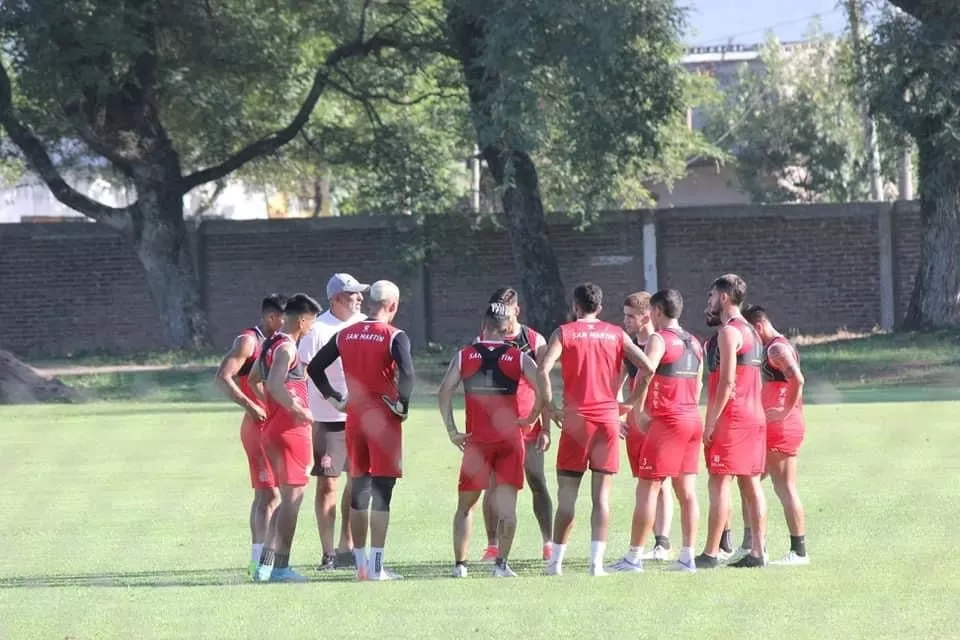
713 22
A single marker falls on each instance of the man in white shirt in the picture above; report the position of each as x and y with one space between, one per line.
345 297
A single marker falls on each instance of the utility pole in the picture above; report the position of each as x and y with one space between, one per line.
905 179
475 180
855 14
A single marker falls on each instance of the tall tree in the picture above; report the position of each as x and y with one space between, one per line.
159 91
915 62
602 75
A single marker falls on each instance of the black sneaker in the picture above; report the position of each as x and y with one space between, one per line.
703 561
747 562
344 560
327 563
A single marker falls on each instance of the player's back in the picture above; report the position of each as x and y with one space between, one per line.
491 373
774 388
590 364
243 375
369 368
296 378
673 389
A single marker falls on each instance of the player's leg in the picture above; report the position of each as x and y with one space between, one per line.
644 516
756 503
661 526
265 503
265 497
385 468
604 461
462 525
360 492
542 504
747 541
572 459
718 490
325 498
685 488
505 498
344 551
783 473
489 522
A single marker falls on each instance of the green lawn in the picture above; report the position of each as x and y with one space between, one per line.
128 520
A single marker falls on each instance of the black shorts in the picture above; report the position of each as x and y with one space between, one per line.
329 439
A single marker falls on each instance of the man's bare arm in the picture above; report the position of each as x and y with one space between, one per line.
282 358
449 384
529 369
243 347
728 341
783 358
654 353
550 356
636 355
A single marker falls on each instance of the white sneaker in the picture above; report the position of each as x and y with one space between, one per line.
552 569
597 570
384 574
737 555
503 572
460 571
623 565
657 554
682 567
792 560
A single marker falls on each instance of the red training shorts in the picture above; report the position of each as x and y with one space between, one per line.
502 460
585 443
374 439
635 440
531 433
787 436
671 447
737 450
289 447
251 436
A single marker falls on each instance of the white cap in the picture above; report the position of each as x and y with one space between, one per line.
344 283
383 291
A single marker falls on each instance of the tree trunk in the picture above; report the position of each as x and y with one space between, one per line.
935 302
163 247
523 215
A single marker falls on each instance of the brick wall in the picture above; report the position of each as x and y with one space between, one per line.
75 287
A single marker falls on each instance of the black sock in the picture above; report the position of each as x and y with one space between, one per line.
726 541
283 561
798 546
661 541
267 557
502 563
461 563
747 539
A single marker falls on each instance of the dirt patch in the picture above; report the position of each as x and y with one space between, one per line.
21 384
72 370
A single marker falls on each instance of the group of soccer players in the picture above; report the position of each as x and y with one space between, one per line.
325 394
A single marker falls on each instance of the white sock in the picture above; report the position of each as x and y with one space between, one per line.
375 565
255 551
686 555
360 557
596 553
559 550
634 554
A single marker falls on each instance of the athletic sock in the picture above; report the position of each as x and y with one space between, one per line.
360 557
282 561
662 541
559 550
255 552
460 563
501 562
596 553
635 554
686 555
726 541
267 557
375 563
798 546
747 539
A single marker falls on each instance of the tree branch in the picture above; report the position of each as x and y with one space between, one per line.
272 142
36 154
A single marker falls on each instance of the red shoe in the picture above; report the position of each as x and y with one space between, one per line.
361 574
547 551
490 554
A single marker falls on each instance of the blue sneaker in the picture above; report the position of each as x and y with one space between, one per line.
287 575
263 573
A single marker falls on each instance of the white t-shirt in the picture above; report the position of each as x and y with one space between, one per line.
326 326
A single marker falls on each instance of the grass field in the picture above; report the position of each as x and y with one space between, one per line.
127 519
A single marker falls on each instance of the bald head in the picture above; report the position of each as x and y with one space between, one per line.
384 297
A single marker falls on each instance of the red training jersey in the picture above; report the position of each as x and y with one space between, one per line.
491 374
526 340
296 380
590 363
368 365
673 389
744 408
775 383
243 374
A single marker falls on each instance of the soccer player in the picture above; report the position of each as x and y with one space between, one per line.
345 294
735 431
673 431
726 538
536 441
493 445
637 323
590 352
232 380
378 369
287 433
783 402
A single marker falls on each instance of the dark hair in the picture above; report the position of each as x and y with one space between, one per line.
754 313
733 285
497 316
669 301
588 297
300 304
504 295
639 301
273 302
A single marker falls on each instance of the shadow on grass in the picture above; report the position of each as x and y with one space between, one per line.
425 570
